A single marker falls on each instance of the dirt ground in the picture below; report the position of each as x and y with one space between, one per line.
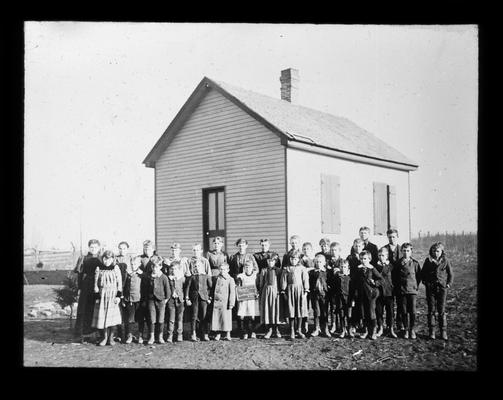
49 342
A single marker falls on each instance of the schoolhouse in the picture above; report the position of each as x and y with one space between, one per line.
235 163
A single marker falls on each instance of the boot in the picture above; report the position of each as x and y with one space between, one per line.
351 331
169 339
326 331
299 329
305 325
292 328
364 334
140 335
373 330
392 332
316 331
412 332
343 327
104 337
111 341
160 339
228 336
431 326
193 335
333 327
276 332
217 337
443 326
380 330
129 337
151 334
268 333
179 337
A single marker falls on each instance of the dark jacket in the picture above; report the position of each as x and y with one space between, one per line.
262 258
439 273
386 283
374 251
393 255
155 288
198 285
286 259
132 286
342 285
318 283
216 259
237 262
176 286
408 276
368 279
146 265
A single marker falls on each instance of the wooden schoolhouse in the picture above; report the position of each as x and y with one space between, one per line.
235 163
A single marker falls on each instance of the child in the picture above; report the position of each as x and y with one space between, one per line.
238 260
408 277
355 294
176 255
85 269
437 277
263 256
333 268
343 302
130 303
123 261
325 248
367 280
176 280
197 297
385 300
393 257
155 294
295 243
148 252
217 257
364 233
307 260
247 309
223 292
295 286
108 292
198 262
271 313
318 290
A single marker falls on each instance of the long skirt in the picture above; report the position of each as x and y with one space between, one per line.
270 305
296 301
85 308
106 310
221 319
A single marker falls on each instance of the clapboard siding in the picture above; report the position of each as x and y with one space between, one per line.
221 145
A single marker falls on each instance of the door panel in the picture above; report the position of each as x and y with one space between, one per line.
213 215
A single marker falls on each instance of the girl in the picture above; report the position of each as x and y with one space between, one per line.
238 260
294 287
270 301
355 294
85 268
131 300
107 289
333 268
223 292
385 301
318 289
295 243
263 257
367 280
217 257
155 294
247 309
324 248
437 278
408 276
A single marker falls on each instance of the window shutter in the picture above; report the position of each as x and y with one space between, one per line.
330 204
380 208
392 207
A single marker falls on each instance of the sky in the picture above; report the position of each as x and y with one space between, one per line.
99 95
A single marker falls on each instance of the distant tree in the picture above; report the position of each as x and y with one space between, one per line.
68 294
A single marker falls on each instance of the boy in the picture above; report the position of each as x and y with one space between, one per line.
261 257
182 267
217 256
148 252
130 303
368 245
124 262
355 294
318 290
155 293
197 297
343 301
385 301
333 268
175 302
224 298
325 248
198 262
393 257
408 277
368 281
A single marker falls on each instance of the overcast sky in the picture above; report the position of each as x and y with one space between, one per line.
99 95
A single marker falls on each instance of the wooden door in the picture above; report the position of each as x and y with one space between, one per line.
213 215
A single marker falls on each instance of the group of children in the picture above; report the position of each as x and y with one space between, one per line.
348 296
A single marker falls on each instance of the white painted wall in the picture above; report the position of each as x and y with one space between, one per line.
304 197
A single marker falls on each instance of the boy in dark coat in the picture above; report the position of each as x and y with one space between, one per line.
176 279
318 290
408 277
385 301
367 244
197 297
437 278
393 257
343 300
355 292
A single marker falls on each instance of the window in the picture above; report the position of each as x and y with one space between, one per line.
384 208
330 204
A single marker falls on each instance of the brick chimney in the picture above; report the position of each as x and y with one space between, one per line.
290 85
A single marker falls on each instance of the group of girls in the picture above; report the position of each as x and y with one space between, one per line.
262 292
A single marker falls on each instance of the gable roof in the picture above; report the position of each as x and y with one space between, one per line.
293 123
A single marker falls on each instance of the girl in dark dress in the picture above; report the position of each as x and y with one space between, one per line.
85 268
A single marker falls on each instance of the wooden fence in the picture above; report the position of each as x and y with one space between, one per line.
50 260
462 242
